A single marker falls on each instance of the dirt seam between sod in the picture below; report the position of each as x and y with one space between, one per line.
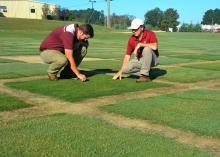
45 105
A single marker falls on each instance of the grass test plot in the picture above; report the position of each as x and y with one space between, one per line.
101 65
188 75
75 90
2 60
164 60
208 66
66 135
196 111
208 57
9 103
188 43
15 70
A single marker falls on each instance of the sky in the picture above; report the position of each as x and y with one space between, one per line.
190 11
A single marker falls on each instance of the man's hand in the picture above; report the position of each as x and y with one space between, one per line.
118 75
81 77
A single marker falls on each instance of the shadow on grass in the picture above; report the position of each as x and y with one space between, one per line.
157 72
88 73
154 73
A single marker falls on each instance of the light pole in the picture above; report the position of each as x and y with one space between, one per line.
92 1
108 14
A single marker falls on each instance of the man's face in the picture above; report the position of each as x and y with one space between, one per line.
82 36
137 32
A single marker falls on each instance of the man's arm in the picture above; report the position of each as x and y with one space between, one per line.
69 56
125 61
153 46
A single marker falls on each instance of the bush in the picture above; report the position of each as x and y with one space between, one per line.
1 15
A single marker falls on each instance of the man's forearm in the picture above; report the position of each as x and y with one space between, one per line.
153 46
125 62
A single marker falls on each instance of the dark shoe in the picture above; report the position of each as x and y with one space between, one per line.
143 78
52 77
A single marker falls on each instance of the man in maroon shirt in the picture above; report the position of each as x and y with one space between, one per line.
66 46
143 44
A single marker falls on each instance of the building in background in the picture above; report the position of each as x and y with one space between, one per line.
211 28
25 8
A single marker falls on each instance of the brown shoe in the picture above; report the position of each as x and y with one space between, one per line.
143 78
52 77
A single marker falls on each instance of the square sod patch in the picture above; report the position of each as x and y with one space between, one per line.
9 103
101 65
196 111
66 135
188 75
15 70
207 66
75 90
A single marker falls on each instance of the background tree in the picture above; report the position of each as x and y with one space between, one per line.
64 14
45 10
184 27
56 13
153 17
120 21
211 17
190 28
197 28
169 20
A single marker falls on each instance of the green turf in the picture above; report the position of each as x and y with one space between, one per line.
106 64
196 111
208 66
164 60
17 39
209 57
15 70
72 90
66 135
3 60
188 75
9 103
188 43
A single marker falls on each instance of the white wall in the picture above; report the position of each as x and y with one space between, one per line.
22 8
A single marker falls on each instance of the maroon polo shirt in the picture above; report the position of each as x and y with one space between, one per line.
147 38
60 39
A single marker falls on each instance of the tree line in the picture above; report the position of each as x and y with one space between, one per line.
91 16
164 20
155 19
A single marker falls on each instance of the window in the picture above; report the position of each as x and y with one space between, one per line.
3 8
32 10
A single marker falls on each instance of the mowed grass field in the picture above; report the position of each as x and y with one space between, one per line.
175 115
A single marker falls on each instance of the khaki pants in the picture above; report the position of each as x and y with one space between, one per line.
58 63
144 64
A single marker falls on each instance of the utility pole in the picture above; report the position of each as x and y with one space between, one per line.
108 14
92 1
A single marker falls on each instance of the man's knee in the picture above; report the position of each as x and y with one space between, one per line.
61 61
147 51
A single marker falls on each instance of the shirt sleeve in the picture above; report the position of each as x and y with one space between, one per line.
130 48
67 39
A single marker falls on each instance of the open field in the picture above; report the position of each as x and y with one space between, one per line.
177 114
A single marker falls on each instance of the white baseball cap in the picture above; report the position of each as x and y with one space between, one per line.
136 23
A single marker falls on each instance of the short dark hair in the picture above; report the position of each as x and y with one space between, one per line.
87 29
